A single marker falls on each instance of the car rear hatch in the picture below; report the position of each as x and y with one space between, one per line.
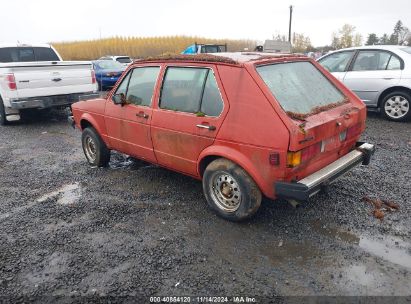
324 123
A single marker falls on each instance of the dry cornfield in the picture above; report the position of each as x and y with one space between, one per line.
137 47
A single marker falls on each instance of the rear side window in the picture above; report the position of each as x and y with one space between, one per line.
376 61
337 62
192 90
124 59
141 85
26 54
45 54
299 87
212 103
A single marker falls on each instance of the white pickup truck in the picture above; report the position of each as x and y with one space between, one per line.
34 76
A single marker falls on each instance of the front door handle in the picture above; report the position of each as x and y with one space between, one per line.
211 128
142 115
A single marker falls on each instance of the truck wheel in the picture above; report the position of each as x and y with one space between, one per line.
230 191
3 120
94 148
396 106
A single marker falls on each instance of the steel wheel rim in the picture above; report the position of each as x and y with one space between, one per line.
90 148
397 106
225 192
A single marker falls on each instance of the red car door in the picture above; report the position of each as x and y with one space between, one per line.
137 113
187 116
113 116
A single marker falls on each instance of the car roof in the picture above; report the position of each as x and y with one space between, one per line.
378 47
233 58
115 56
5 45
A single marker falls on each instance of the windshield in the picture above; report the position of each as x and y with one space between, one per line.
109 65
299 87
407 49
124 59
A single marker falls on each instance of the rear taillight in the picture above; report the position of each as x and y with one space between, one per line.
353 131
11 82
294 159
93 77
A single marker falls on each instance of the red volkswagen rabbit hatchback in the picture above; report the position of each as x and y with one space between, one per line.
246 124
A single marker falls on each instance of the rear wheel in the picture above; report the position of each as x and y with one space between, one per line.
3 120
95 150
230 191
396 106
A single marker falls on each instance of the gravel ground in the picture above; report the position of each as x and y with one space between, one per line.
74 232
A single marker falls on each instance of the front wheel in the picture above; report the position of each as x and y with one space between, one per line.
230 191
94 148
396 106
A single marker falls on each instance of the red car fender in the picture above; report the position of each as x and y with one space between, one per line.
98 126
238 158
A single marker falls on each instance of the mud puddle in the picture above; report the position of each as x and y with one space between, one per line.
66 195
390 249
121 161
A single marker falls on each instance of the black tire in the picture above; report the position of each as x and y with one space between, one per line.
230 191
94 148
396 106
3 120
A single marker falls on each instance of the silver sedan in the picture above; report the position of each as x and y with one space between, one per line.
379 75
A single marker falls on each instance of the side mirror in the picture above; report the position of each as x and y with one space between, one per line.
119 99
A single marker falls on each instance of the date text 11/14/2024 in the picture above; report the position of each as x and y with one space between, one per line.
203 299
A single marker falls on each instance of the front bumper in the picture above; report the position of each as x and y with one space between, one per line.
49 101
313 183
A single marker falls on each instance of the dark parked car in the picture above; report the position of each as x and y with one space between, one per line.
107 73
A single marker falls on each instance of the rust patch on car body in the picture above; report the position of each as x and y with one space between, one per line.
181 57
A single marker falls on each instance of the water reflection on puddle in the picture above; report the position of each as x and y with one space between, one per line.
393 250
67 194
390 248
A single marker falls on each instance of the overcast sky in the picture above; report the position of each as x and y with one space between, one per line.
56 20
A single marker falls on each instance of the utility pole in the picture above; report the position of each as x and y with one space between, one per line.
289 26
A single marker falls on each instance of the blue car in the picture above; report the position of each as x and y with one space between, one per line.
107 73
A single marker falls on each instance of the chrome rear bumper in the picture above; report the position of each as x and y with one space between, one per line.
313 183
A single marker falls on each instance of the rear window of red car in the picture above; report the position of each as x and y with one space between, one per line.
299 87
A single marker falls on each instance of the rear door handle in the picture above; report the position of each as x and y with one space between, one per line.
142 115
388 78
211 128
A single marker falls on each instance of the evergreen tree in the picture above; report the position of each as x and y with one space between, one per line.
372 39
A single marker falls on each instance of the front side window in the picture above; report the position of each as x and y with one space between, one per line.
141 86
191 90
299 87
337 62
122 88
376 61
